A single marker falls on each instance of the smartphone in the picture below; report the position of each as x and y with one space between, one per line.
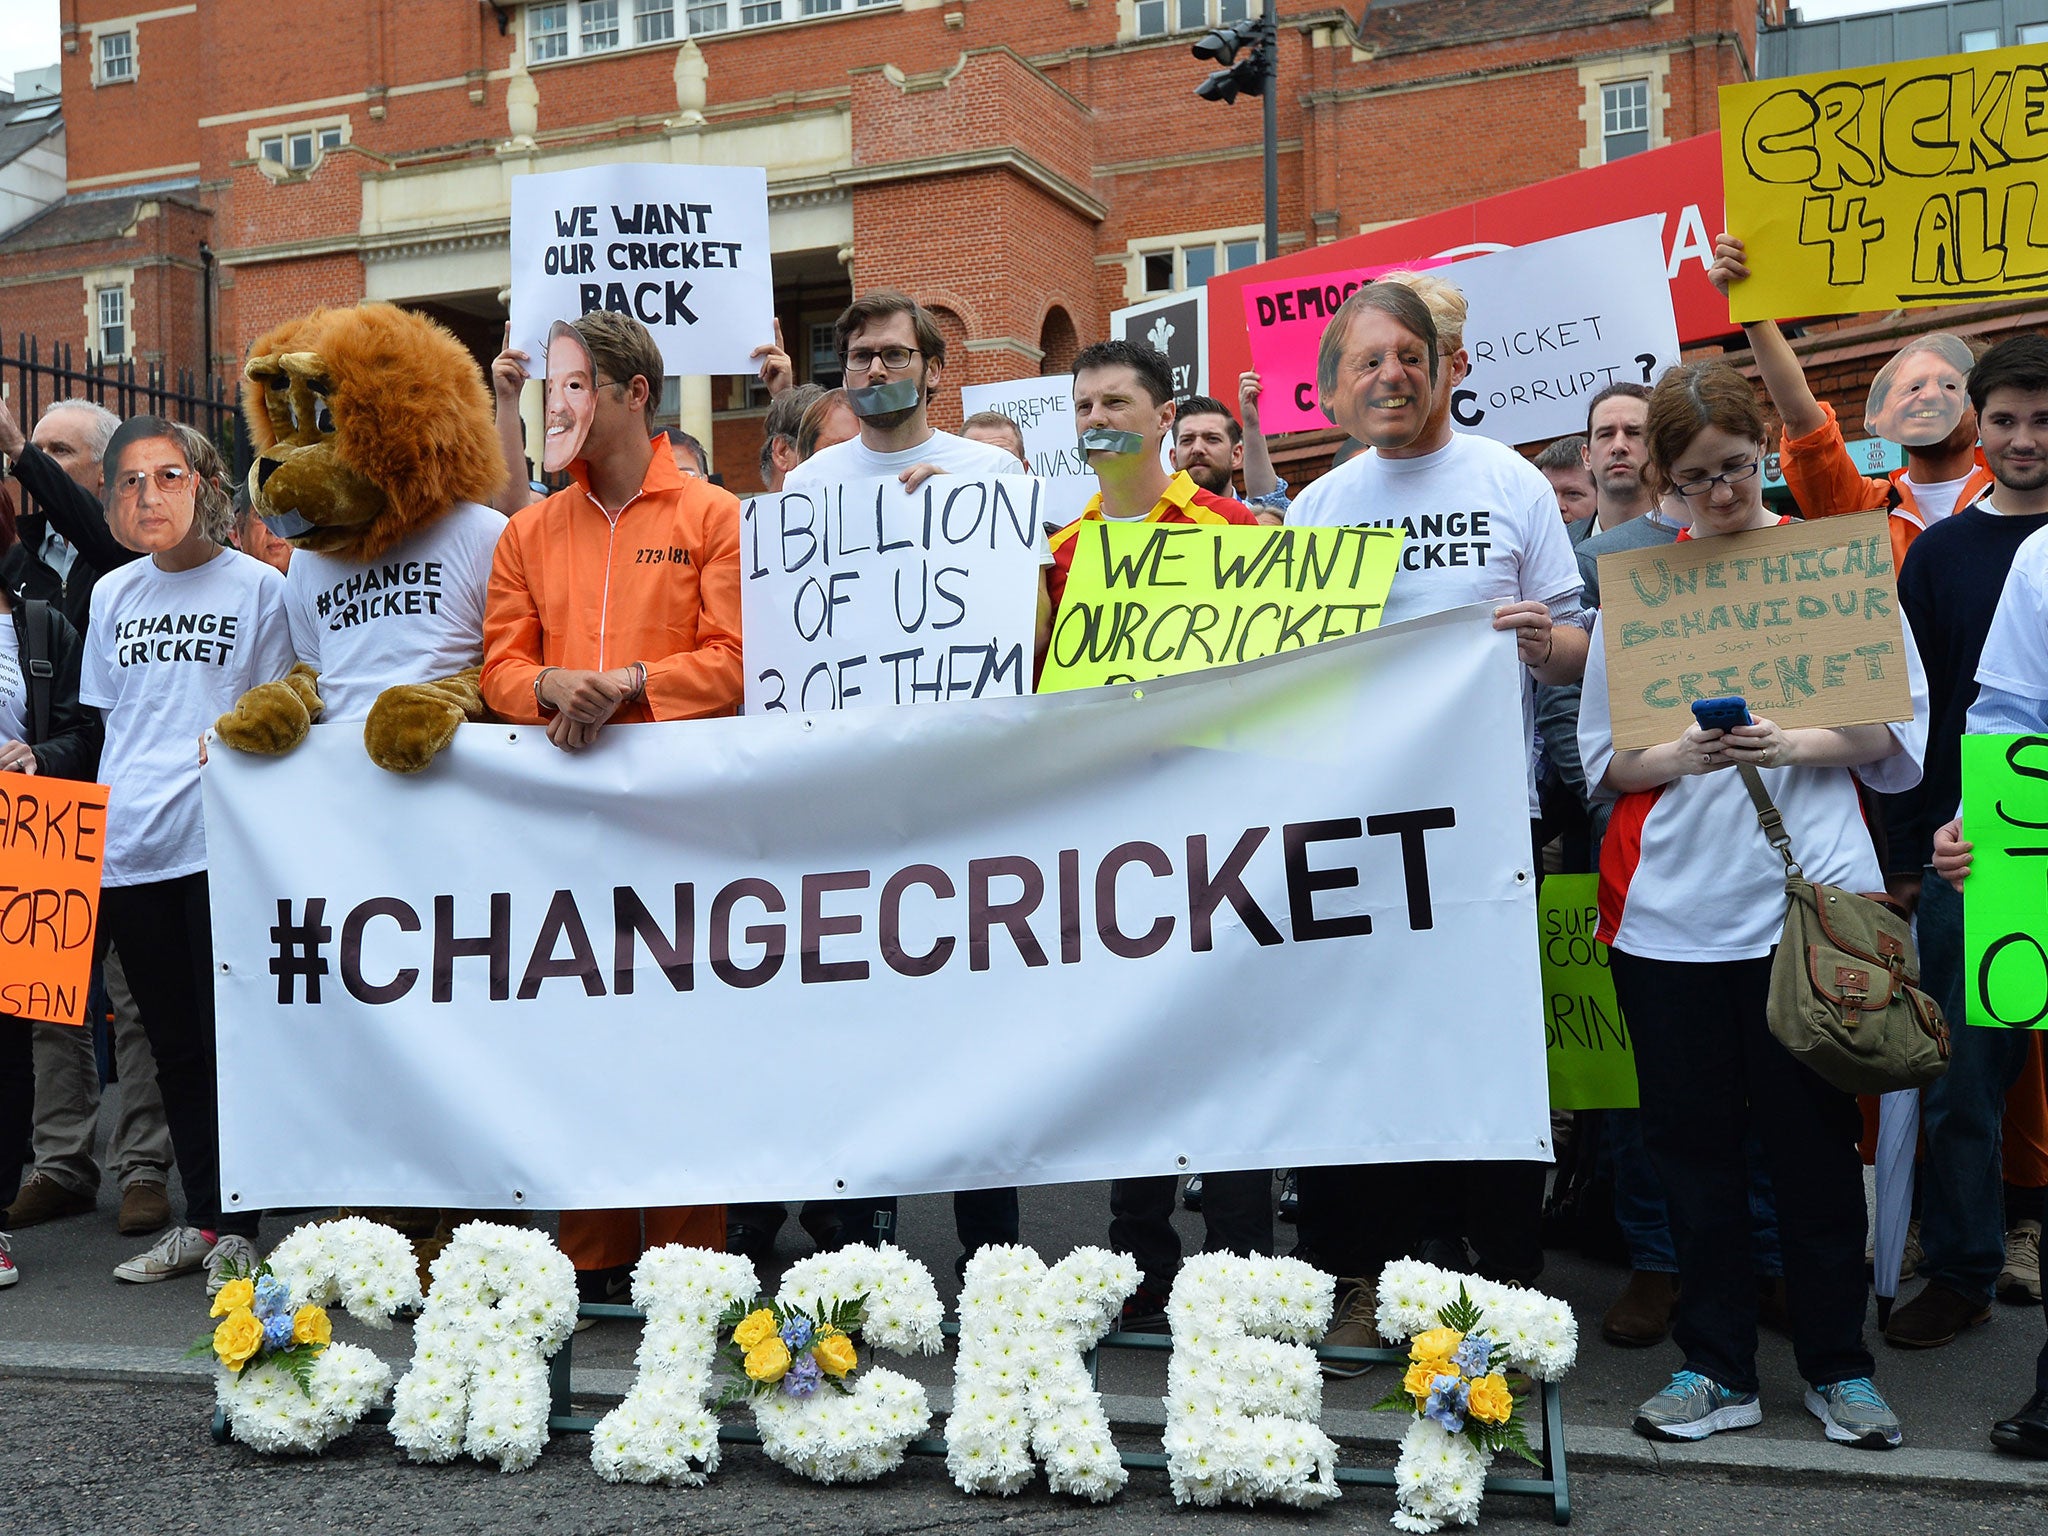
1721 714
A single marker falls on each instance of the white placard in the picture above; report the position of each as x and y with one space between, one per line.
1043 409
1234 922
681 248
859 593
1553 323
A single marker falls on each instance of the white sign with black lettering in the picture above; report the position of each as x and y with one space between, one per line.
681 248
1044 412
1553 323
861 593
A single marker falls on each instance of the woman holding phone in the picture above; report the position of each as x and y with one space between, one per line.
1692 902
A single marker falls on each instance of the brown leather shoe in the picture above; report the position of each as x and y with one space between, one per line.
145 1208
1641 1314
1934 1318
43 1199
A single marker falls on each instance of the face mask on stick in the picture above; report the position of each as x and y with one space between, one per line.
1918 397
571 391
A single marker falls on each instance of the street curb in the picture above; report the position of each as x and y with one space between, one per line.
1754 1458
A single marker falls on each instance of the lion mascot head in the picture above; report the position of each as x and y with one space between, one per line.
368 423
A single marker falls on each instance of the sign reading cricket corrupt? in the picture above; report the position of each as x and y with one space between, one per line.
1592 1061
1901 184
1802 621
861 593
1147 600
2005 922
52 842
681 248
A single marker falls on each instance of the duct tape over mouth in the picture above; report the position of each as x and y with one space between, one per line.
882 399
1109 440
286 524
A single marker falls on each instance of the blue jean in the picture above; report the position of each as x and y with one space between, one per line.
1644 1217
1962 1115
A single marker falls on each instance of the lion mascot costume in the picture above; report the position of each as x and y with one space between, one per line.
376 459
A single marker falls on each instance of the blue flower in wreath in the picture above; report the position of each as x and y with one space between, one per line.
796 1333
1446 1405
1474 1356
272 1297
277 1331
803 1378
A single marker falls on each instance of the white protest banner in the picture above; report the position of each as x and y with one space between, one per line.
861 593
681 248
1043 409
1217 921
1554 323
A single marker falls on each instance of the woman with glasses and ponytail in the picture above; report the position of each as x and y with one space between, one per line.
1692 903
175 640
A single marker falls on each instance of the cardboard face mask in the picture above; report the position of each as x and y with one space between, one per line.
1918 397
571 391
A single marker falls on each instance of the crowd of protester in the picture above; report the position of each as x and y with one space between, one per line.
1736 1186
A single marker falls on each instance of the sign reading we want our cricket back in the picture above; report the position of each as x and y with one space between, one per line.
1802 621
1902 184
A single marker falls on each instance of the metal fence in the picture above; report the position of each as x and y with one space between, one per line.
32 382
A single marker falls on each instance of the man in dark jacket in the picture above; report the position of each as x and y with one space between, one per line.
63 528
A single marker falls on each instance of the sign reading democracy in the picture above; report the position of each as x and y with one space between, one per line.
1018 941
1899 184
1043 409
1147 600
1801 620
2005 921
681 248
52 843
1549 326
1592 1060
862 593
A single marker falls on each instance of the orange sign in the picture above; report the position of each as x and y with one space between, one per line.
52 840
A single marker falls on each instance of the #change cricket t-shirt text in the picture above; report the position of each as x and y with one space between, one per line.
412 615
167 654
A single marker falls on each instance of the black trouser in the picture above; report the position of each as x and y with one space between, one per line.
165 937
1351 1221
1237 1209
17 1105
1709 1071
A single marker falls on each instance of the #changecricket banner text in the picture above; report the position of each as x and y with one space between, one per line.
1237 919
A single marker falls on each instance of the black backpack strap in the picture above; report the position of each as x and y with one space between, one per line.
39 636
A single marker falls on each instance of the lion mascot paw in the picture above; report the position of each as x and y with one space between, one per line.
272 718
411 722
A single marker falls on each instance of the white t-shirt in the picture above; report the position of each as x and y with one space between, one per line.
854 460
2015 656
13 690
1936 500
1481 525
1686 865
414 614
168 653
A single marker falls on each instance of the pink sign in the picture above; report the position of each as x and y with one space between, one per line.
1285 319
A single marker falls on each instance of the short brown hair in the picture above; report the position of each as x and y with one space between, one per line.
785 415
870 307
621 350
1692 397
1397 300
813 423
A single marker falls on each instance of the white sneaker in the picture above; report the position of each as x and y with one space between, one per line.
178 1252
233 1257
9 1275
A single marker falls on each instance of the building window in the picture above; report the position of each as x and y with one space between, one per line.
1192 265
755 13
709 17
117 57
113 321
825 366
2032 32
654 21
1982 40
547 32
1160 18
330 138
293 150
1624 119
600 25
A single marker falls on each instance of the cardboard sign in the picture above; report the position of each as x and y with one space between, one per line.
1286 318
1592 1060
52 843
1801 620
860 593
1897 185
2005 920
1176 324
1043 409
681 248
1147 600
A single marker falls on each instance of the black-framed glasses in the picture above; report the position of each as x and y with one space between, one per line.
895 359
1730 478
170 479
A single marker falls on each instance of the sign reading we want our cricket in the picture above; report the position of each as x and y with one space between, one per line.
1802 621
1901 184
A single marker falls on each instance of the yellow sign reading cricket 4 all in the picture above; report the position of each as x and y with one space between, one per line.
1901 184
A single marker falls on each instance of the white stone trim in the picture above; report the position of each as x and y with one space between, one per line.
1654 65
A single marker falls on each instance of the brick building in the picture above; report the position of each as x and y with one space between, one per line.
1023 166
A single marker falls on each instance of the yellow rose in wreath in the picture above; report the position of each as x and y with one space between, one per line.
768 1360
1440 1342
1491 1402
236 1293
1422 1375
834 1354
753 1328
237 1338
310 1325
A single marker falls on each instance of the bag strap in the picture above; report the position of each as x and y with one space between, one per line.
42 671
1768 818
